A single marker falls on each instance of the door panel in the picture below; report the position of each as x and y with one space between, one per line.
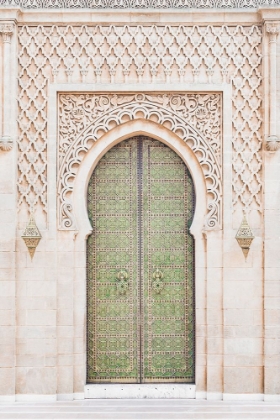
167 266
140 266
113 329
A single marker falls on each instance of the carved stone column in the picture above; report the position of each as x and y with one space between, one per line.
273 141
6 30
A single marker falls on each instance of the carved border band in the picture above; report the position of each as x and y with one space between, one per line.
139 4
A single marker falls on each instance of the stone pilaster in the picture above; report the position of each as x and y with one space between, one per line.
273 141
271 225
7 215
6 30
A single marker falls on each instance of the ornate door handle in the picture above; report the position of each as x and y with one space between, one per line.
157 282
122 283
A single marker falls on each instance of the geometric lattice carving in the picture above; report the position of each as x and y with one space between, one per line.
139 4
247 134
136 53
83 119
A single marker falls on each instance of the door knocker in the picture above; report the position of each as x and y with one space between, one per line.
122 283
157 283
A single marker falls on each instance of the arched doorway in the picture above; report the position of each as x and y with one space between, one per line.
140 266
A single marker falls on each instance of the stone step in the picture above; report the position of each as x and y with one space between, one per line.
140 410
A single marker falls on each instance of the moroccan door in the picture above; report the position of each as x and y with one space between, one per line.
140 270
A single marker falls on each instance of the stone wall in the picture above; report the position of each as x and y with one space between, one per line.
74 83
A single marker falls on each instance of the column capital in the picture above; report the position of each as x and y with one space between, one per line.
273 29
272 143
7 30
6 143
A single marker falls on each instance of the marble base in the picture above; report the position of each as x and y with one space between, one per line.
243 397
140 391
36 398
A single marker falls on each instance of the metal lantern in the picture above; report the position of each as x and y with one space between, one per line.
244 236
31 236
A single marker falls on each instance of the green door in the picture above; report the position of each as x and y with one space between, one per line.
140 266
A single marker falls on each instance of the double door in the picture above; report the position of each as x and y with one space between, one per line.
140 266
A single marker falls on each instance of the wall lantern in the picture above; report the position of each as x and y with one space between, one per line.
244 236
31 236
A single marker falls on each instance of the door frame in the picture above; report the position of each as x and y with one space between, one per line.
143 156
110 139
209 243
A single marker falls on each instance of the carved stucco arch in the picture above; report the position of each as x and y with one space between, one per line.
120 133
117 115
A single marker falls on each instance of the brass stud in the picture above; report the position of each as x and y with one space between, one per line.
31 236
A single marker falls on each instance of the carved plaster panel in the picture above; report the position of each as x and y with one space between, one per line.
83 119
139 4
131 54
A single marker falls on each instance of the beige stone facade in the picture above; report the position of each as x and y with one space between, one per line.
73 84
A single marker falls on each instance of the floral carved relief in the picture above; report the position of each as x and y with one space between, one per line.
83 119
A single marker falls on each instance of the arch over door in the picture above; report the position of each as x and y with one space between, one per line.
140 266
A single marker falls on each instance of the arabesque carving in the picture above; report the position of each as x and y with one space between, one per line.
83 119
139 4
132 54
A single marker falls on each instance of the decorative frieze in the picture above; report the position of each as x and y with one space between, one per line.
139 4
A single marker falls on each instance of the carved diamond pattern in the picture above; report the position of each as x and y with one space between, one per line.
140 54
